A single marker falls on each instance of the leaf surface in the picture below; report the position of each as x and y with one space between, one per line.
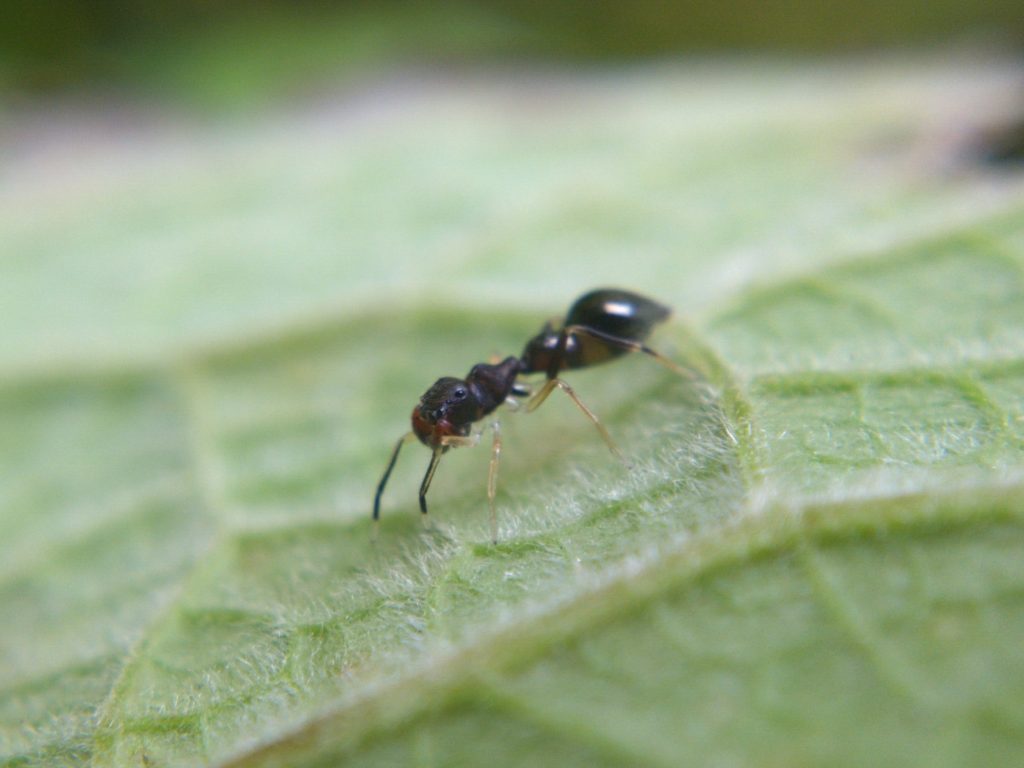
815 558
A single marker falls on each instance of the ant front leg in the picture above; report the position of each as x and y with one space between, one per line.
460 441
446 442
387 473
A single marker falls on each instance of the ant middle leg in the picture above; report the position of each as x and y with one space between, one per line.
387 473
492 478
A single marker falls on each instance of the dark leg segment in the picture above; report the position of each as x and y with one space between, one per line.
387 474
435 457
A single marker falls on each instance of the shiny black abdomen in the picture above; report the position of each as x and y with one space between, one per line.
616 320
616 312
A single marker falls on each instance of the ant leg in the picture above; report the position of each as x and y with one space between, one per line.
541 395
492 479
553 380
633 346
518 390
435 458
387 473
453 441
546 390
593 418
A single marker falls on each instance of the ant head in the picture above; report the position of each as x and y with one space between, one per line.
447 408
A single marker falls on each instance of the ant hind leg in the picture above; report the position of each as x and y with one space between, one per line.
549 387
633 346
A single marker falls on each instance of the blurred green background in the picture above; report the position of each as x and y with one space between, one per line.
230 52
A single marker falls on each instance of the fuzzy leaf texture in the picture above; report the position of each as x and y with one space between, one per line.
212 338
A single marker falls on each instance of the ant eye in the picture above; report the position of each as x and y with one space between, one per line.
459 393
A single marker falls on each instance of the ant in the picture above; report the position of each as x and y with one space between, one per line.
600 326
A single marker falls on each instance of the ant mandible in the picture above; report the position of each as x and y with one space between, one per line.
600 326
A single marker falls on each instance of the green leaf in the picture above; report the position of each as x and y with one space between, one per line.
210 346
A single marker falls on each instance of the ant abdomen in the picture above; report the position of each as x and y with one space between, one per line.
601 325
618 313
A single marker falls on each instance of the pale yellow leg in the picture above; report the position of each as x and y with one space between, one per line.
492 479
546 390
541 395
458 441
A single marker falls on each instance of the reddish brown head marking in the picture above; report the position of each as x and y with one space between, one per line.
430 432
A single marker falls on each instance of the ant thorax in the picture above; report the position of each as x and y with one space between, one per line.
542 351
